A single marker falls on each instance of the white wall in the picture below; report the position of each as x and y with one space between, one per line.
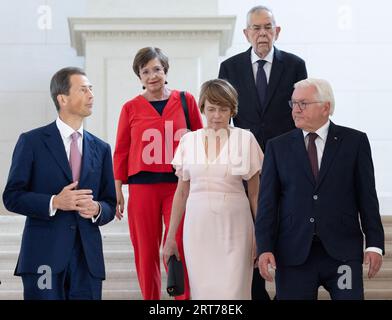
345 41
32 48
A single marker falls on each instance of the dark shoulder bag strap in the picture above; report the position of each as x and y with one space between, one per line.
185 108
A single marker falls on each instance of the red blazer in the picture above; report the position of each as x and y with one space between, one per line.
146 141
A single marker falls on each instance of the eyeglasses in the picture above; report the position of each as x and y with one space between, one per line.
301 104
155 70
258 27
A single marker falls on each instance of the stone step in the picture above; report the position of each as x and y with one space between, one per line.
124 259
371 284
120 241
122 281
368 286
122 295
11 295
384 275
11 284
117 238
115 280
15 224
113 260
128 295
127 279
111 275
113 284
373 294
370 294
10 263
106 295
112 292
110 256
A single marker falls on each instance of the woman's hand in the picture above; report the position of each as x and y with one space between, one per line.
120 202
169 249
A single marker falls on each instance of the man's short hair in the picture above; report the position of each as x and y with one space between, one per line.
258 9
323 89
60 83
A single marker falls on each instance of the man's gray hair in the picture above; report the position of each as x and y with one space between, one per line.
258 9
323 88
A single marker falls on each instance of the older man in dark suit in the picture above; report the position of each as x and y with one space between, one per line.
317 202
263 77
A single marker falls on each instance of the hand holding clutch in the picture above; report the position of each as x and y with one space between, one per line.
175 277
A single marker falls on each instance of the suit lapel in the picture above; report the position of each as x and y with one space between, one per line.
331 147
55 145
88 156
275 75
299 150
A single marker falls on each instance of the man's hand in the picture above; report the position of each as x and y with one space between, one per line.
374 260
68 198
88 208
266 259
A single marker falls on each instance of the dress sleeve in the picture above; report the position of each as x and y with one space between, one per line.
255 157
121 151
178 162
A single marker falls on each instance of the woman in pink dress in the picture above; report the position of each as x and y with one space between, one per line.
211 164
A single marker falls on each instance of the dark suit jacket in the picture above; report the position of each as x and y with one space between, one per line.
276 118
39 170
340 208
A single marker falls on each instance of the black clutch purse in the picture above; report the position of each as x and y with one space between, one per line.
175 277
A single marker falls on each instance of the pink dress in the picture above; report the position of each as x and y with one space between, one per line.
218 227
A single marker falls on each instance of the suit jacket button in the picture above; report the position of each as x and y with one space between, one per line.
311 220
315 197
73 227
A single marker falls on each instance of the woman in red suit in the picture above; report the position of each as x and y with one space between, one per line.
149 129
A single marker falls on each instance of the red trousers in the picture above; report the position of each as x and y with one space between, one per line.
149 207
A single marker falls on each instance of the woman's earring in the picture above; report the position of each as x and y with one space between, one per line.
165 82
144 87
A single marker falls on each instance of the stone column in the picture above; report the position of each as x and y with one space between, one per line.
109 44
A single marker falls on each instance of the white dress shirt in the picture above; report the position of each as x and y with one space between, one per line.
66 131
320 141
267 66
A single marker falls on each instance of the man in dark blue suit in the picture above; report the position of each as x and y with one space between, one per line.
61 179
263 96
317 202
263 77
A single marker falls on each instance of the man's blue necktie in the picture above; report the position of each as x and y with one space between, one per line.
261 83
